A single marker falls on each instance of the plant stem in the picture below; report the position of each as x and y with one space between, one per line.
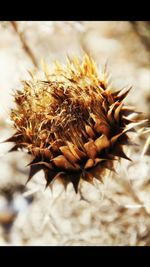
24 43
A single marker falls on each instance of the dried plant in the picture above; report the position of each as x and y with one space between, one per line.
72 123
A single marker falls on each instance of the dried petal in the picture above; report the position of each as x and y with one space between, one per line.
68 154
102 142
117 112
89 164
91 149
89 131
62 163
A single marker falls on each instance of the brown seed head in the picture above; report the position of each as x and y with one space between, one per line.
71 123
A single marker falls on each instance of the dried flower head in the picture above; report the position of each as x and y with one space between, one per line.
71 122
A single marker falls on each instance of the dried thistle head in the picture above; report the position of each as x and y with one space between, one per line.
71 123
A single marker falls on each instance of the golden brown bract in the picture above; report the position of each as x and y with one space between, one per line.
71 123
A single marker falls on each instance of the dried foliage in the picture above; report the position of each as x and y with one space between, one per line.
72 123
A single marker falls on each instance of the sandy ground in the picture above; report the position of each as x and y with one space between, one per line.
114 213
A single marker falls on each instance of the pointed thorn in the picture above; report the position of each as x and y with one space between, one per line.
75 179
14 148
35 160
97 171
123 93
64 179
88 177
33 171
109 165
49 176
120 153
12 138
42 164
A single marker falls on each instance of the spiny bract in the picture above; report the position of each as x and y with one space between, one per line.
71 123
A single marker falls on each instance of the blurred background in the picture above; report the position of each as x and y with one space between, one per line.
114 213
